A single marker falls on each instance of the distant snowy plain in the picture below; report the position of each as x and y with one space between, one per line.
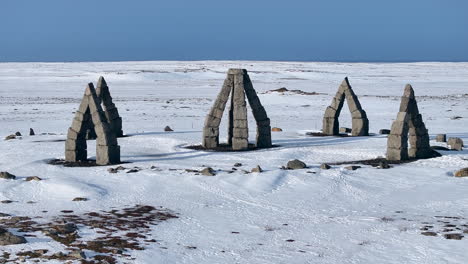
329 216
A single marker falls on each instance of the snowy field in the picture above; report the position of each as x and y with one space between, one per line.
278 216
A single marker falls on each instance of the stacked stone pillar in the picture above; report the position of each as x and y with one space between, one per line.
90 112
360 123
409 122
239 85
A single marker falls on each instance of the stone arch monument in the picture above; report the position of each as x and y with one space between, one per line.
239 85
409 121
110 110
360 123
90 113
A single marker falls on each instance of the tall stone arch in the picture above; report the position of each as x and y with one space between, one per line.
239 86
360 123
89 113
110 110
408 125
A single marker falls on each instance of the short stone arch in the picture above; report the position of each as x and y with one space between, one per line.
239 85
90 113
360 123
110 110
409 122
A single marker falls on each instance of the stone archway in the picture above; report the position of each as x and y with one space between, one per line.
409 122
90 113
360 123
239 85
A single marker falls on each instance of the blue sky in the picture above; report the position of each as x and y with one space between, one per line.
300 30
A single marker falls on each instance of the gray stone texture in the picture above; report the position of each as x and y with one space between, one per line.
239 86
91 115
360 123
408 127
441 138
455 143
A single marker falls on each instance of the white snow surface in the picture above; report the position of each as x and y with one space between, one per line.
333 216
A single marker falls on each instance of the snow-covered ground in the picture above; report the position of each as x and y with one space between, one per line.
328 216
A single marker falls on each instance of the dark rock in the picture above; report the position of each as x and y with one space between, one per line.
383 164
13 136
79 199
454 236
353 167
7 175
208 172
18 134
168 129
429 233
384 131
237 164
295 164
257 169
31 132
440 148
33 178
345 130
7 238
461 173
325 166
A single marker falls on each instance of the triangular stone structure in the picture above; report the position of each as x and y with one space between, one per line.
239 85
110 110
360 123
91 113
409 120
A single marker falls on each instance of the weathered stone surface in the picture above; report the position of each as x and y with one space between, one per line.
455 143
408 122
238 84
257 169
91 115
7 175
208 172
441 138
461 173
7 238
295 164
31 132
168 129
325 166
33 178
360 123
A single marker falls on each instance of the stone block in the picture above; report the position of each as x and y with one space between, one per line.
77 125
402 116
397 141
240 143
358 114
330 112
399 128
360 127
211 132
210 142
106 155
74 156
397 154
455 143
78 144
441 138
240 132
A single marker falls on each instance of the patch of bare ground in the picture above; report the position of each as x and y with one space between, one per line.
119 232
285 90
225 148
84 163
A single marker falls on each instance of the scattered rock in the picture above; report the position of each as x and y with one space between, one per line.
237 164
6 201
276 129
116 169
383 164
77 254
7 238
13 136
168 129
18 134
33 178
208 172
31 132
454 236
345 130
441 138
353 167
79 199
325 166
192 170
257 169
440 148
456 117
134 169
384 131
295 164
7 175
455 143
462 173
429 233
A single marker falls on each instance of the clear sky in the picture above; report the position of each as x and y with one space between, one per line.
300 30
